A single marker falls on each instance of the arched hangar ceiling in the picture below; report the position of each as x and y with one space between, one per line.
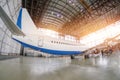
73 17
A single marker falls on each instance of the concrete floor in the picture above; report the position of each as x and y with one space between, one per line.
29 68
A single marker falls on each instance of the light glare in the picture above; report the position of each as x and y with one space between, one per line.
99 36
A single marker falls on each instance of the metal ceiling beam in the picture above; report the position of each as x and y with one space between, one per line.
99 8
35 8
52 22
51 18
65 14
73 9
48 19
85 5
62 19
52 6
31 8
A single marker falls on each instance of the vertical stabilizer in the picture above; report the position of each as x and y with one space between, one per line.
25 22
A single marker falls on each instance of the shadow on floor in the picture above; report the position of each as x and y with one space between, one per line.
5 57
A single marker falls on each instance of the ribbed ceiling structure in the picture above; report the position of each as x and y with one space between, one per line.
73 17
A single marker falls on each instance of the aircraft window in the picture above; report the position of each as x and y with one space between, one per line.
57 42
62 43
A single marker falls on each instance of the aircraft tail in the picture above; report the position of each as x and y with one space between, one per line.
25 23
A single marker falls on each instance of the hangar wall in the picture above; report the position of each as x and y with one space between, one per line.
7 45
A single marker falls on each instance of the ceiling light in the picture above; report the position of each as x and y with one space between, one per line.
70 1
69 20
52 12
58 15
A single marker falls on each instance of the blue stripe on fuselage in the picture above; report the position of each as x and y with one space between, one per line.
49 51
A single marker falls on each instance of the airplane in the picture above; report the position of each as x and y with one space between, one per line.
36 40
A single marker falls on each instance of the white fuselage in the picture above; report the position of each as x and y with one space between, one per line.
38 41
51 43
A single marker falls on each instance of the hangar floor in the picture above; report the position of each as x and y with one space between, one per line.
29 68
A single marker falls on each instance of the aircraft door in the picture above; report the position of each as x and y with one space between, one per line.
40 41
